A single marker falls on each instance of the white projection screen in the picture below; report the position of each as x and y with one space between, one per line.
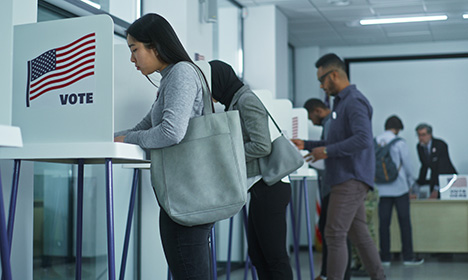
430 89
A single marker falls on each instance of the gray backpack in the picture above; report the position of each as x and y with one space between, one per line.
386 170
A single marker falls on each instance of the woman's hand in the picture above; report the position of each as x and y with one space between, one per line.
119 138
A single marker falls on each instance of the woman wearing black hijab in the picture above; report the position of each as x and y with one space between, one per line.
266 231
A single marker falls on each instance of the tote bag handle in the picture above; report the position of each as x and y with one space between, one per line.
207 99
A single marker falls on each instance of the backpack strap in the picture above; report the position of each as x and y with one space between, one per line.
393 142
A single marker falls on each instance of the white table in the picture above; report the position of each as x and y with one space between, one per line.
78 153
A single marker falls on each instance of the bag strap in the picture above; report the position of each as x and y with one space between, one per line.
277 126
206 93
393 141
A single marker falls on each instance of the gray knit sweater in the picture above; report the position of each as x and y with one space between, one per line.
179 99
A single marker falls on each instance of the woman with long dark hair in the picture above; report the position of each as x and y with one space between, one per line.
155 47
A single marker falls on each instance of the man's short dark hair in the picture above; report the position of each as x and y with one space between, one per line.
314 103
330 60
393 122
424 126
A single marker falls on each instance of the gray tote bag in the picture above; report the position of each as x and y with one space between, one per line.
203 178
283 160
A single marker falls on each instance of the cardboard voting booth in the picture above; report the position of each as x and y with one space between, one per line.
63 92
63 101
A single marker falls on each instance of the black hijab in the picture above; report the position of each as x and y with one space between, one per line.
224 82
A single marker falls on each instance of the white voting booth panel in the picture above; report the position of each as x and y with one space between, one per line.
292 121
300 131
279 109
63 91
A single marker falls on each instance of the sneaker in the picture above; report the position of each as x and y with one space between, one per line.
386 263
321 277
359 273
414 261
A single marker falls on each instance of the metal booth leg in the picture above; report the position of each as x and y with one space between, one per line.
248 264
228 265
309 237
131 206
79 219
213 254
13 199
295 240
110 220
5 251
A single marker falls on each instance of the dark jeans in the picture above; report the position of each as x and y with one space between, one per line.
266 230
187 249
347 218
322 222
385 216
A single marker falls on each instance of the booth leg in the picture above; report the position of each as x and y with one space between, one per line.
79 219
295 240
248 264
5 251
228 264
309 236
131 206
299 214
214 267
110 220
13 199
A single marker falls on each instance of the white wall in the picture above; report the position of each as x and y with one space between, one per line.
307 85
6 56
281 43
229 27
306 82
185 16
265 54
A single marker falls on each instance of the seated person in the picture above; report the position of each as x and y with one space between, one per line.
433 154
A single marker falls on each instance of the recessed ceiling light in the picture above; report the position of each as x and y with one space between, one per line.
465 16
339 2
402 19
95 5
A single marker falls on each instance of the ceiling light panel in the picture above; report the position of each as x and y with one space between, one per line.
402 19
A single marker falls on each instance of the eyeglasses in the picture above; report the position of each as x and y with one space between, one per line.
322 78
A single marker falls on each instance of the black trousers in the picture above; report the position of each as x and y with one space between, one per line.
187 249
385 216
266 230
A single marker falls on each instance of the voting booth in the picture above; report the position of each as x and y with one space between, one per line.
63 101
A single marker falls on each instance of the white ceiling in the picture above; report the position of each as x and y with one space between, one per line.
320 23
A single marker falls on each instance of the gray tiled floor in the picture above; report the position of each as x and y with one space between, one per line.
439 267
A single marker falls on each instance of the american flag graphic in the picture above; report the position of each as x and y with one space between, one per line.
61 67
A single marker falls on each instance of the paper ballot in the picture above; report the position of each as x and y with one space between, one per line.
319 164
